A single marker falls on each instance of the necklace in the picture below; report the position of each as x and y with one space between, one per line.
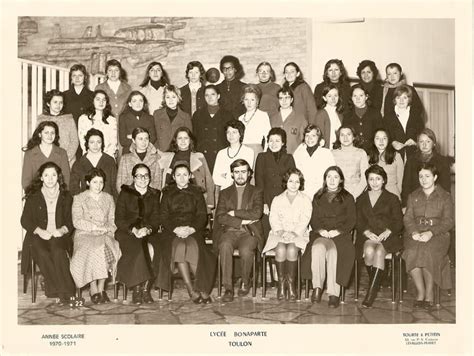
228 152
245 120
50 196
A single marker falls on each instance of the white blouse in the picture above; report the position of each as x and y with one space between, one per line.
256 128
221 174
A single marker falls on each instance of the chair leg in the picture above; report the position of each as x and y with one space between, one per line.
264 276
124 291
400 277
79 293
255 277
306 289
393 279
160 293
437 296
170 292
33 281
343 295
356 280
298 276
25 283
219 277
116 290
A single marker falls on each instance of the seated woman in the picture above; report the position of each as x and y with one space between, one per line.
290 214
428 219
95 250
47 220
426 153
379 223
184 217
137 220
182 151
94 157
332 219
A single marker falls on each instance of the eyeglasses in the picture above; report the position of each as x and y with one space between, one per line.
142 176
225 69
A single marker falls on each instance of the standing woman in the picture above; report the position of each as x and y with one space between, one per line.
336 74
95 250
116 86
153 85
266 83
303 102
99 116
368 74
169 118
256 121
426 153
352 161
330 239
395 78
134 115
290 214
270 167
78 98
428 219
67 131
363 118
94 157
383 154
47 220
329 119
404 123
379 224
289 120
209 126
182 151
137 217
313 159
141 151
192 94
43 147
184 216
231 87
221 175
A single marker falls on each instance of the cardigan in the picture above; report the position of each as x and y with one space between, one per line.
186 100
68 138
117 101
324 123
269 101
77 104
165 129
364 126
153 96
128 122
231 96
303 102
353 163
34 158
294 126
221 174
109 131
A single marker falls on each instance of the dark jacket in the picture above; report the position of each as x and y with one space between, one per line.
128 122
77 104
165 128
210 133
416 105
231 95
365 126
35 214
410 174
269 174
328 216
385 214
186 99
375 91
251 209
185 207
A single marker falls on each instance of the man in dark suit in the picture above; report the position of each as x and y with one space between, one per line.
238 215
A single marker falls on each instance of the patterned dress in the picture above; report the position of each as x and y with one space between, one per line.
95 253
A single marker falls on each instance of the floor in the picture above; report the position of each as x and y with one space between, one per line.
245 310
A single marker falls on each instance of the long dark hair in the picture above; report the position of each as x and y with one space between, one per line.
79 67
341 192
107 110
337 144
338 62
164 75
37 183
299 79
368 102
127 107
35 140
388 154
174 145
48 96
326 90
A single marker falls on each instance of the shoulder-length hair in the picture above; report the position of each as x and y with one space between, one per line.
310 128
299 78
35 140
198 65
127 107
164 75
107 110
368 63
403 89
376 169
326 90
48 96
338 62
337 144
174 145
237 125
170 88
79 67
89 134
361 87
287 175
341 193
37 183
431 135
272 72
388 154
116 63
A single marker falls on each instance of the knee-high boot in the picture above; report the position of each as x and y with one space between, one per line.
292 267
280 267
373 288
147 298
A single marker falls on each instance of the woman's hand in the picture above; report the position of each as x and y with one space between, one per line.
266 209
416 236
333 233
323 233
140 233
45 235
426 236
384 235
410 142
371 236
288 236
397 145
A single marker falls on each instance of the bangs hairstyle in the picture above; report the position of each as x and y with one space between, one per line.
107 110
429 167
252 89
116 63
95 172
35 140
164 80
235 63
238 125
212 87
341 194
326 90
174 141
310 128
388 155
93 132
82 68
171 89
272 72
376 169
403 89
430 134
48 96
287 175
198 65
127 107
368 63
338 62
286 90
37 183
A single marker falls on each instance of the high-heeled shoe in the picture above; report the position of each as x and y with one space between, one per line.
96 298
105 297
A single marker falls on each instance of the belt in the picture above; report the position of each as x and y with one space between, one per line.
427 221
